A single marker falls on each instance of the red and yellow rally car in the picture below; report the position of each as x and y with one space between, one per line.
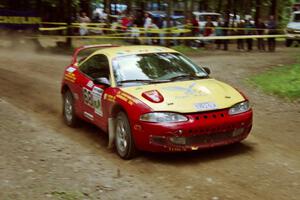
152 98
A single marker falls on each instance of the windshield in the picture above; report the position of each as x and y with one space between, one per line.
154 67
296 18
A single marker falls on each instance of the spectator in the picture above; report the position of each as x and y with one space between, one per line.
225 33
135 33
147 26
97 19
209 27
249 31
261 31
222 30
219 32
272 25
240 32
83 20
209 31
195 26
125 22
162 34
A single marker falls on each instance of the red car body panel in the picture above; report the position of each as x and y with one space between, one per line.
202 130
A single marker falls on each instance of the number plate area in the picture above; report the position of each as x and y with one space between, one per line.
206 106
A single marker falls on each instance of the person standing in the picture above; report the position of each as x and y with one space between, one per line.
261 31
225 33
249 31
147 26
83 20
271 26
209 31
219 32
240 32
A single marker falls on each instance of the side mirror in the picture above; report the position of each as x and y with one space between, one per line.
102 81
207 70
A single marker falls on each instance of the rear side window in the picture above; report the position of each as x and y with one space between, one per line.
95 67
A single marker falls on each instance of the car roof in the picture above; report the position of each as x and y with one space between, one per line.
131 50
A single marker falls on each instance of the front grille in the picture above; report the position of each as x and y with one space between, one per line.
209 138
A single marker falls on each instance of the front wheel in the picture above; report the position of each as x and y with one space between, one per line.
69 109
124 141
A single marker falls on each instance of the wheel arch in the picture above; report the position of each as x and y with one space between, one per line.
64 89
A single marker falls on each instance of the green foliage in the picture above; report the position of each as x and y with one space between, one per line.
282 81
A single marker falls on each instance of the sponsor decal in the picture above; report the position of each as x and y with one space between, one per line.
87 97
176 149
88 115
97 103
71 69
110 98
90 84
125 97
206 106
70 77
93 98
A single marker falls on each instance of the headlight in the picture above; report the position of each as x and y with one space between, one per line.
163 117
239 108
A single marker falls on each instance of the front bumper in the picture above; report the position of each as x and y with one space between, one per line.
203 130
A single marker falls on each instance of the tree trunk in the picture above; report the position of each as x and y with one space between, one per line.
273 10
129 6
85 6
219 6
68 4
107 7
228 10
186 12
257 13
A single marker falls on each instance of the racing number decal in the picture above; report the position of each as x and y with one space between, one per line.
87 97
93 99
97 104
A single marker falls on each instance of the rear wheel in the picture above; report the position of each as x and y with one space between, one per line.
69 109
124 140
288 42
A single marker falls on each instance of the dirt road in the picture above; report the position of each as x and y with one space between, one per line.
41 158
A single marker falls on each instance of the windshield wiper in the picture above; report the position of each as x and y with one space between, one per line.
183 76
135 80
143 81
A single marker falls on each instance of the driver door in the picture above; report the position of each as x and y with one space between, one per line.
91 94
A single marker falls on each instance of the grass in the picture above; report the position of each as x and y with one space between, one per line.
283 81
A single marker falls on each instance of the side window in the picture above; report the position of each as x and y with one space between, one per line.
95 67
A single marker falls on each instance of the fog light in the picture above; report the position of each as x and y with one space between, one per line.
178 140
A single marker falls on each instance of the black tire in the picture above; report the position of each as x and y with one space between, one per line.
70 117
288 42
124 141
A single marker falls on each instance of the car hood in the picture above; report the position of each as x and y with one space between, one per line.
294 25
189 96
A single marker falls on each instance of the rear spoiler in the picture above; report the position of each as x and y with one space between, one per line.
98 46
